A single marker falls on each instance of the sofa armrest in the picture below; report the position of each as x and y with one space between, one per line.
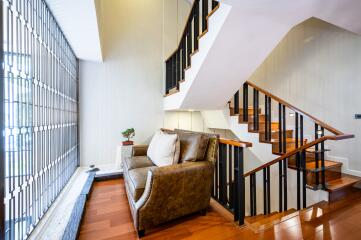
139 150
175 191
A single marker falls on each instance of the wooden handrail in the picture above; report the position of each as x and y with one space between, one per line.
295 109
185 27
235 143
293 152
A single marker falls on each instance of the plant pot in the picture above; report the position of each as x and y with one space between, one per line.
127 143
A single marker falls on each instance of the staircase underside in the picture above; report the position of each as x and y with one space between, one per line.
241 35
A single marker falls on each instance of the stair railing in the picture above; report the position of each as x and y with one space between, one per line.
180 59
299 151
228 181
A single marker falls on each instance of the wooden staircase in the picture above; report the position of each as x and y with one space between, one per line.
306 156
335 180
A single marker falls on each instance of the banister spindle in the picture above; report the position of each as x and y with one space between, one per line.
280 144
214 4
189 43
269 119
255 109
284 129
230 189
204 14
196 24
317 157
236 103
223 173
323 177
253 195
303 164
285 166
245 102
239 188
298 162
266 118
178 68
184 58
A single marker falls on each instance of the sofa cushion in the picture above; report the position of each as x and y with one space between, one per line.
137 162
202 148
136 181
164 149
189 145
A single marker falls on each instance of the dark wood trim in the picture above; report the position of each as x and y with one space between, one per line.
295 109
235 143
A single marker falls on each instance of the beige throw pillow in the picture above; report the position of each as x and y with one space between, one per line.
164 149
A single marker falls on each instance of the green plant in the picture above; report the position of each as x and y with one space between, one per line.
129 133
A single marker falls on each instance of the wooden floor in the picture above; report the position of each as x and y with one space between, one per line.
108 216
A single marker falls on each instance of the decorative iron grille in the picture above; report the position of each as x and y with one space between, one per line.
40 106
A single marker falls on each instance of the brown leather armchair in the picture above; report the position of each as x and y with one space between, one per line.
160 194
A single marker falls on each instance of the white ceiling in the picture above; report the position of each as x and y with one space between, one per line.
78 20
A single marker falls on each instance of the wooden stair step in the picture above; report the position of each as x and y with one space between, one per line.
344 181
311 165
267 221
259 217
250 111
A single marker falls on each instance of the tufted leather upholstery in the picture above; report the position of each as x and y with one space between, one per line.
159 194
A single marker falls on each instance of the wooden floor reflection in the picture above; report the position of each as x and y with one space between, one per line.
108 216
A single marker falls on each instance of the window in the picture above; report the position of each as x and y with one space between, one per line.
40 104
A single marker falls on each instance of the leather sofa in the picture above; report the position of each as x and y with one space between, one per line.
159 194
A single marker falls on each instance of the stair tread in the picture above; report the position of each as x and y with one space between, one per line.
258 217
312 164
267 221
344 181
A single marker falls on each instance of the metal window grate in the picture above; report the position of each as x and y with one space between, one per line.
40 105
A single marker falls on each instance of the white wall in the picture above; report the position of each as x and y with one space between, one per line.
317 67
126 89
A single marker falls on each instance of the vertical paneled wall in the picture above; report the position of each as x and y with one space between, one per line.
317 67
41 113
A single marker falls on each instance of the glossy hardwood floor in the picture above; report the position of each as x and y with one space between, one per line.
108 216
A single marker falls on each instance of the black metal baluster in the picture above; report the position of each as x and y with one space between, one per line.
269 189
196 24
317 158
298 163
280 144
184 58
189 43
223 174
280 185
265 203
178 68
266 130
245 102
255 110
303 164
269 119
284 129
230 181
214 4
323 177
204 14
285 166
253 195
168 78
239 188
236 103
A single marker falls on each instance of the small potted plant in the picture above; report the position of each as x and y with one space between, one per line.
128 134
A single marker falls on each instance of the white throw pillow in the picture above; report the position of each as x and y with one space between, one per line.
164 149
